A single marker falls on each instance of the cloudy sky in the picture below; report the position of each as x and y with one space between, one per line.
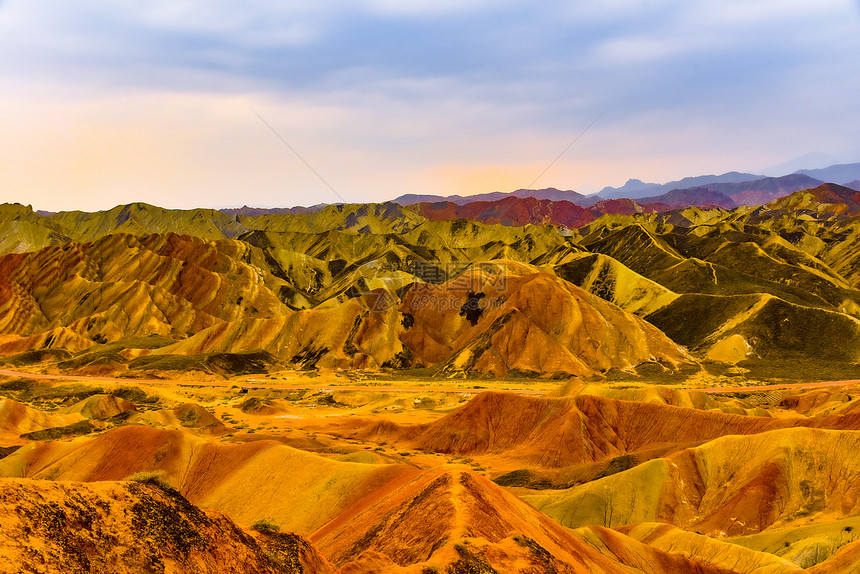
185 103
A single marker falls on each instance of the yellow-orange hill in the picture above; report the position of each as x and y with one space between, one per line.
265 479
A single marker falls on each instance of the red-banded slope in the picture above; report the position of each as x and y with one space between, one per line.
519 211
558 432
828 198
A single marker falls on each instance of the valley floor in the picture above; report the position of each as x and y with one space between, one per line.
379 474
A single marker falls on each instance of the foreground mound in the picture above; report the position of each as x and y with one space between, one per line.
297 490
459 521
122 527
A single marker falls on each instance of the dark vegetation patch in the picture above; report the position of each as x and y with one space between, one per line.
710 312
651 375
100 357
308 357
247 363
459 224
401 360
170 363
106 353
618 464
327 399
786 331
800 369
135 395
153 478
576 271
336 266
469 562
79 428
538 554
17 385
221 364
284 550
255 404
37 356
365 541
63 525
7 450
349 347
174 524
524 478
189 416
428 272
264 525
480 346
48 394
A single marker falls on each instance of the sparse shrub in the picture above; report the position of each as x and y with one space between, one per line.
153 477
265 526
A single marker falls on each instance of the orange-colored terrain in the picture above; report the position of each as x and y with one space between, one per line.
504 481
378 388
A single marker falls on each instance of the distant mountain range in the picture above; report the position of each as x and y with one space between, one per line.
729 190
840 173
731 195
635 189
549 193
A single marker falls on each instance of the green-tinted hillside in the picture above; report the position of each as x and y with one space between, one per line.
338 286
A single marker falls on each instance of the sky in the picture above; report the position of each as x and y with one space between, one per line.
184 103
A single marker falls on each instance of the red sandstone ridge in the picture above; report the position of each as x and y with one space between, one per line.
511 211
553 433
829 197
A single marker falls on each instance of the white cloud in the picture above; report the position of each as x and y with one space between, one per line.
151 101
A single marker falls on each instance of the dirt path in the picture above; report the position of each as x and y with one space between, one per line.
253 385
383 388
